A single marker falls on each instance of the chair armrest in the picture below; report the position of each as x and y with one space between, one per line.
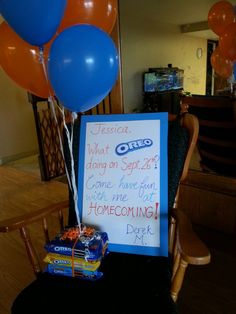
18 222
190 247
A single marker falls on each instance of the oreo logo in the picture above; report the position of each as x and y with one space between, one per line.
61 261
131 146
62 249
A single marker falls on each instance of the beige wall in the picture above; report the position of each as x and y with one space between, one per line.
17 129
146 43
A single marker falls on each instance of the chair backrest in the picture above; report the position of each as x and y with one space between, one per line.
184 140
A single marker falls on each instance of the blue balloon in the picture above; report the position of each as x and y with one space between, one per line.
83 67
35 21
234 70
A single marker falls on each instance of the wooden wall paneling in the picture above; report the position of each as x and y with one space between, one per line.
116 95
113 103
107 105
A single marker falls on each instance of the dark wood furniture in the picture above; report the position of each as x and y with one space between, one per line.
217 131
213 200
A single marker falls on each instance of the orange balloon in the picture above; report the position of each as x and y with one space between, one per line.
21 62
223 67
220 15
101 13
227 42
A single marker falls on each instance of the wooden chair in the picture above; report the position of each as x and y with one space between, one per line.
134 282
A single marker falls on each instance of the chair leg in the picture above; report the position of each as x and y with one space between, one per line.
178 279
172 232
30 251
175 265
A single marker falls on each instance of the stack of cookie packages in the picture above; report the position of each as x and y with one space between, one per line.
77 252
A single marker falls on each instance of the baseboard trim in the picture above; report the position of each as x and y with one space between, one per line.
6 159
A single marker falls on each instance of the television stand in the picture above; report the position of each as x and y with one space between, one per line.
166 101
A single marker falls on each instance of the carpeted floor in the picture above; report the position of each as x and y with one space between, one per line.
29 164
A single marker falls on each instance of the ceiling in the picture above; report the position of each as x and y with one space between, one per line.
173 11
177 12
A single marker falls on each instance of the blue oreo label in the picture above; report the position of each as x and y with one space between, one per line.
125 148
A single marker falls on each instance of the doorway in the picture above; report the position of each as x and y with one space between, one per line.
214 82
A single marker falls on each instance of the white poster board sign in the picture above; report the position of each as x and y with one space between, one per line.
123 180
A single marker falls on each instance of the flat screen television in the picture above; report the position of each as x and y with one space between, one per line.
162 79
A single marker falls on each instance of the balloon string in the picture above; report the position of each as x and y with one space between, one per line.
51 102
71 180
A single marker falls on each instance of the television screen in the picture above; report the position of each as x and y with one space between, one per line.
163 79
